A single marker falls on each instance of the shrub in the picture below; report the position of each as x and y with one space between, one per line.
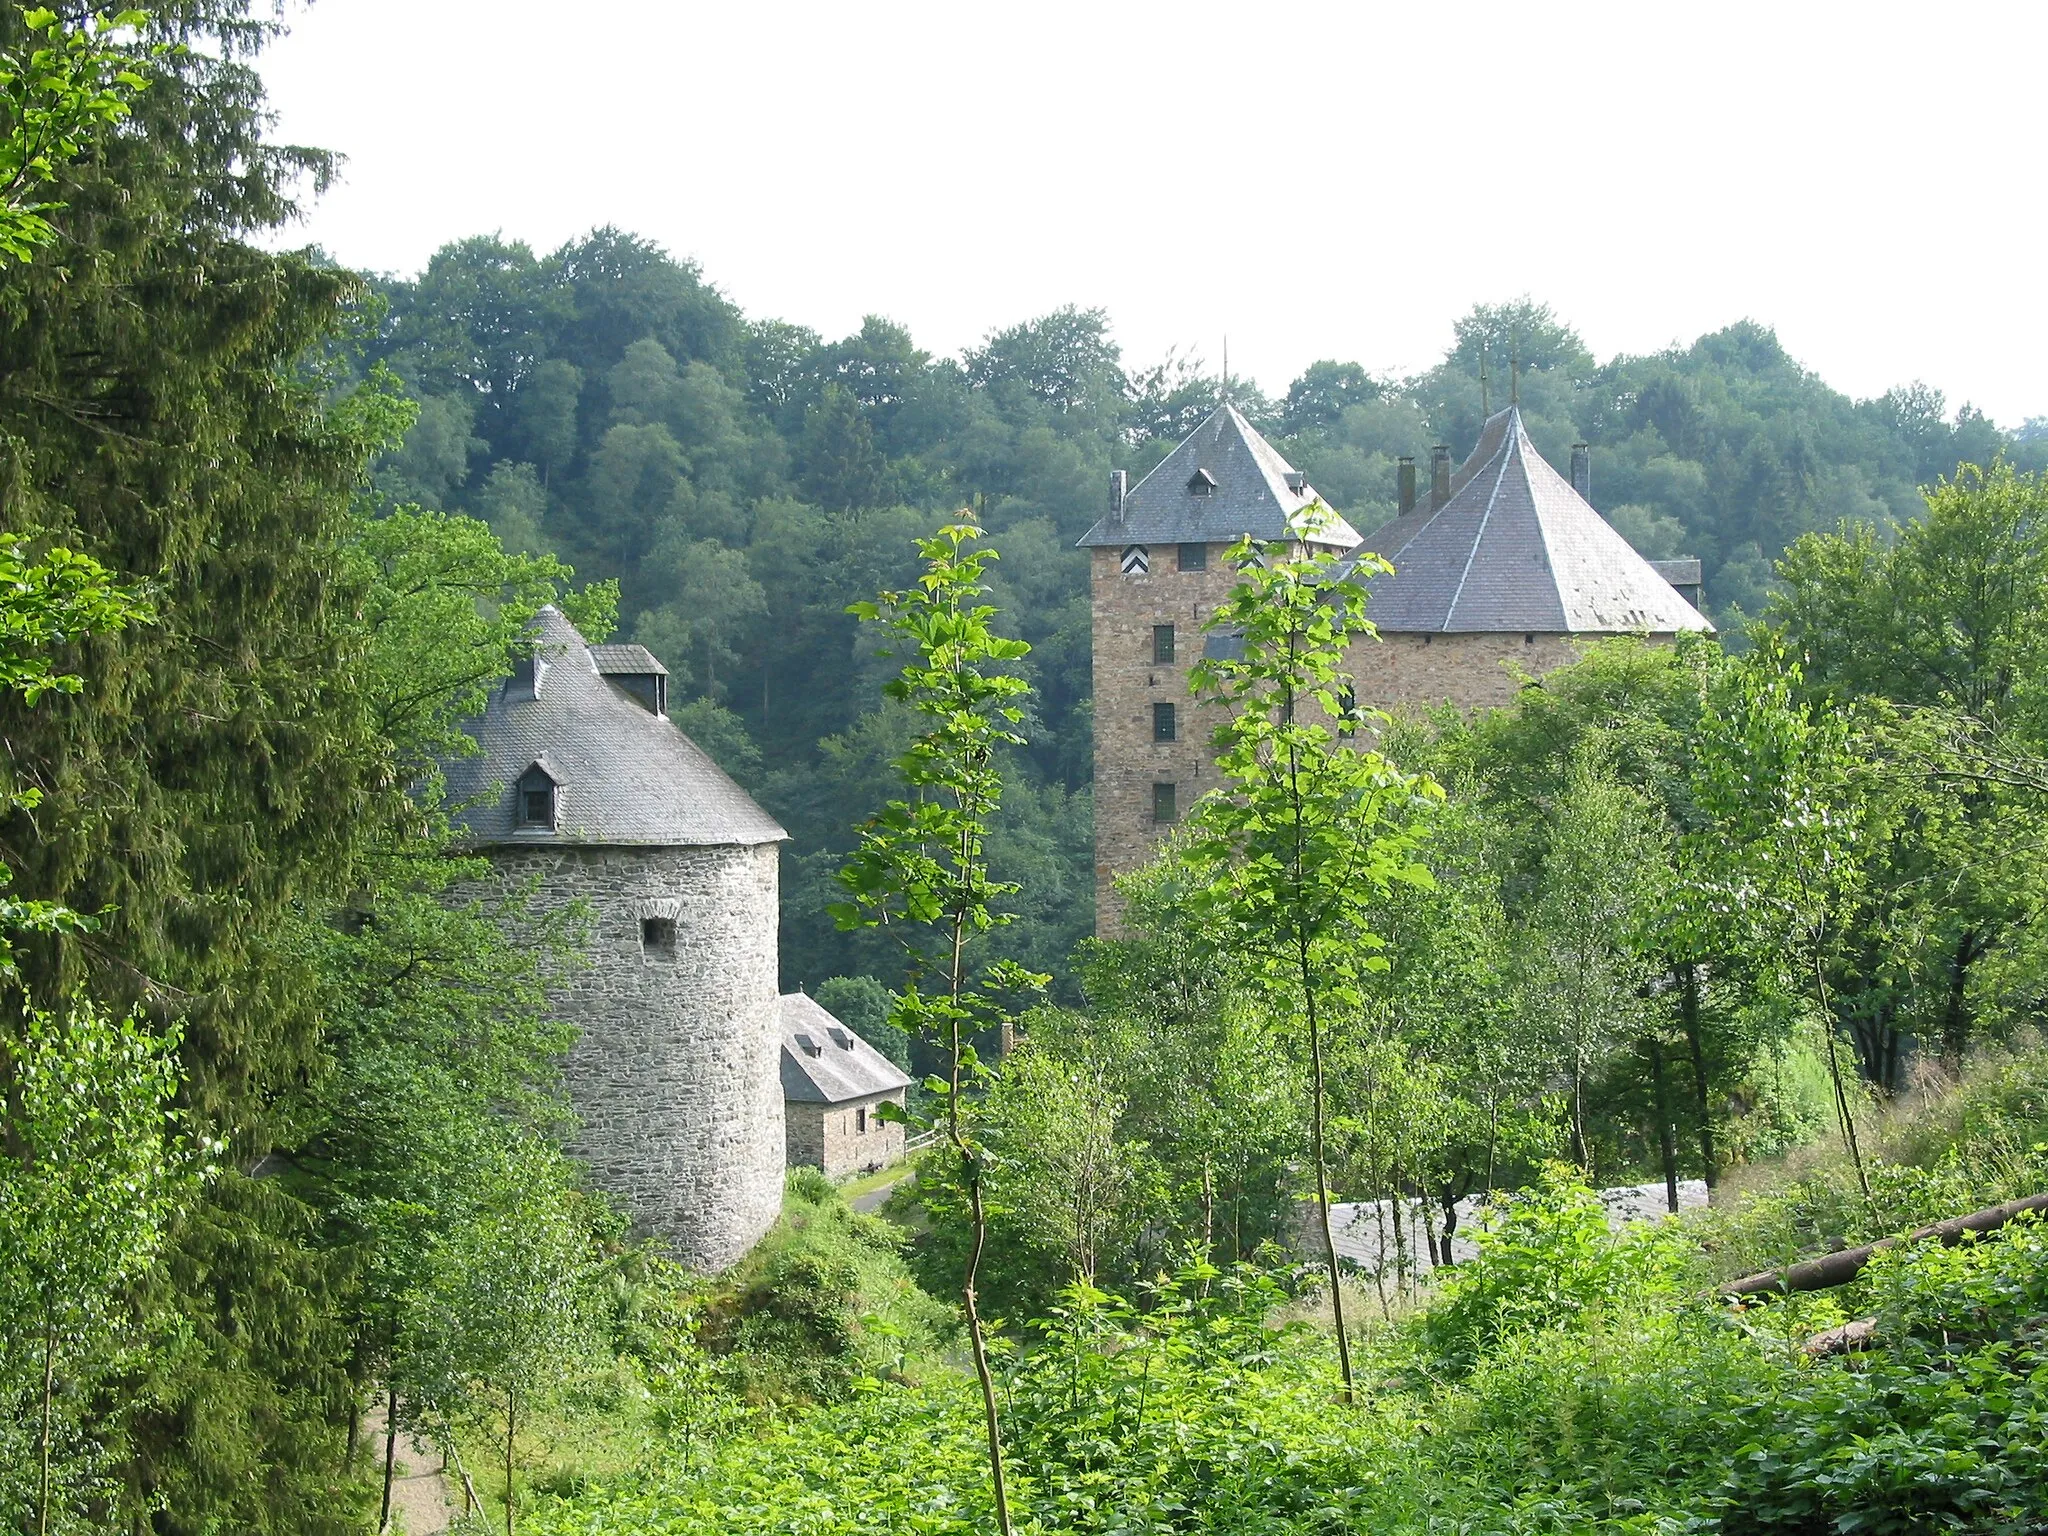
1547 1259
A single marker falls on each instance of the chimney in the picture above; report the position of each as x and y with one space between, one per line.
1439 475
1119 485
1582 472
1405 478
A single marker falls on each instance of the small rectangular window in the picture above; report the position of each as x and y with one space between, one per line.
658 937
1162 722
1164 806
1162 643
860 1121
1194 557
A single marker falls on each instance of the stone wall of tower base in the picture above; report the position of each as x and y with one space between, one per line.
675 1075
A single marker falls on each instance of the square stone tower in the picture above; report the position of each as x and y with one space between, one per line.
1500 573
1157 577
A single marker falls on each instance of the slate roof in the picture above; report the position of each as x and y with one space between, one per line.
627 660
626 774
1253 495
1516 548
824 1062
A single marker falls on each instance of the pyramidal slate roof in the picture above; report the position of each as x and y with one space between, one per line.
824 1062
624 774
1516 548
1251 490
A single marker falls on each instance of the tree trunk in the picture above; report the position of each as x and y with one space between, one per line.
971 1171
1315 1052
1664 1136
43 1447
390 1453
1689 1017
1955 1018
511 1430
1840 1268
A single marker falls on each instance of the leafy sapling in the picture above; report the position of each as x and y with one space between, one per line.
921 868
1310 828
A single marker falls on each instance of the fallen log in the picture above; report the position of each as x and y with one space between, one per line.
1840 1268
1837 1341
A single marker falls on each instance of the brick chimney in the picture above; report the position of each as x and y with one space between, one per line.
1582 472
1405 477
1439 475
1119 486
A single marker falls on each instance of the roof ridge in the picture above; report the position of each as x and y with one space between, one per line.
1479 537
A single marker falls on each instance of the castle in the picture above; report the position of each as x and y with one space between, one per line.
1499 571
584 788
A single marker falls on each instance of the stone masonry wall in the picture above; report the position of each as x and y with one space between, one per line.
1396 671
676 1075
1470 671
1128 682
827 1137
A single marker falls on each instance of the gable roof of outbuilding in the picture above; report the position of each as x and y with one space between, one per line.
1251 495
1516 548
625 774
824 1062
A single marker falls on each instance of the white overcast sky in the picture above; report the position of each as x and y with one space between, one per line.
1311 180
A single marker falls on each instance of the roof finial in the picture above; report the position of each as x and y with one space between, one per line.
1485 397
1515 370
1226 368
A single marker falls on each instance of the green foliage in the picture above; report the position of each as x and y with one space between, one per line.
96 1170
1310 830
62 86
1547 1260
824 1307
865 1006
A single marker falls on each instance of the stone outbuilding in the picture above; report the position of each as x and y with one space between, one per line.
833 1082
1502 568
584 788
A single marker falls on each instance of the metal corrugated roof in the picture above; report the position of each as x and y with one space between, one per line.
824 1062
1516 548
626 774
1252 495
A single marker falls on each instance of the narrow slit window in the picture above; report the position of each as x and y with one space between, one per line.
1163 724
1165 806
1194 557
1162 643
658 937
860 1121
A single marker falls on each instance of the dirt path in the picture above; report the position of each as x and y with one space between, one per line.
420 1492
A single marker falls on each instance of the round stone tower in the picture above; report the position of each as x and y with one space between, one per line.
585 786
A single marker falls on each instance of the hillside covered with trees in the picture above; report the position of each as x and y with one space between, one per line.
744 479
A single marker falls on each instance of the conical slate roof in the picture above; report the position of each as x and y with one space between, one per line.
623 774
1250 490
1516 548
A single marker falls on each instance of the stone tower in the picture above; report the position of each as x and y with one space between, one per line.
585 785
1499 569
1157 575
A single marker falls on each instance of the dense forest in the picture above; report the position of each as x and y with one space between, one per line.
285 1179
745 479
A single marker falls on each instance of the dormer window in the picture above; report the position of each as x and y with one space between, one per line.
1201 483
528 673
538 799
